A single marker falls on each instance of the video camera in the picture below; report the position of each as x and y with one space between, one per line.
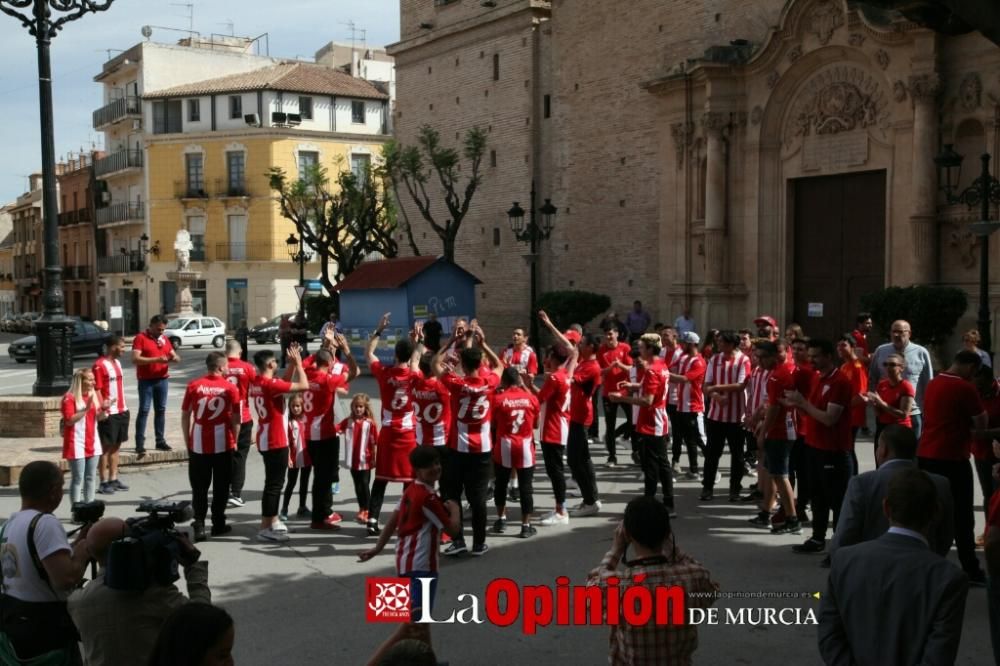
152 549
85 513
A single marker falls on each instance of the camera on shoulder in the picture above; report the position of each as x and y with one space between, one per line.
152 549
86 513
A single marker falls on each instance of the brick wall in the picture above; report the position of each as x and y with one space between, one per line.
23 416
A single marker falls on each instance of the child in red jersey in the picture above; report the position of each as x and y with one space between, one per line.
298 457
420 517
360 433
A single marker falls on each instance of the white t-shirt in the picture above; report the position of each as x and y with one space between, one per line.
20 577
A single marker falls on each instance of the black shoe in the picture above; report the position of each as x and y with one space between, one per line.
612 461
372 527
219 530
139 455
500 526
527 531
199 531
809 547
163 446
734 497
479 550
761 520
706 496
976 578
754 496
455 548
790 526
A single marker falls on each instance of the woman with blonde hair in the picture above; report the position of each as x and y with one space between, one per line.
970 342
81 410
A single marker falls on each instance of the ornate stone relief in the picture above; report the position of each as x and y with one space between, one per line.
772 79
970 92
899 91
839 99
882 58
925 86
756 115
715 121
682 134
825 19
856 39
795 53
964 243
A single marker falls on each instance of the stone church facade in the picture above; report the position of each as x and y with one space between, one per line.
733 157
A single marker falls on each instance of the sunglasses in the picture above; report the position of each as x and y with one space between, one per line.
892 365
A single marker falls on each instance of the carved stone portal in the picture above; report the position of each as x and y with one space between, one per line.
970 92
838 99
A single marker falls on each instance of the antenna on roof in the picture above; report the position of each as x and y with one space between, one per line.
231 25
190 13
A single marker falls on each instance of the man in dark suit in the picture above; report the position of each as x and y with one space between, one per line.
893 600
861 515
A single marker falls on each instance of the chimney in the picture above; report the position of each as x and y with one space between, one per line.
35 181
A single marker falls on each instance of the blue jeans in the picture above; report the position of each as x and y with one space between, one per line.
83 479
917 423
151 392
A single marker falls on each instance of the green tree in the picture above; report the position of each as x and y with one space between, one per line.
430 165
340 225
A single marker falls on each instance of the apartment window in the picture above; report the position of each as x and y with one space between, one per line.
167 117
496 66
358 112
308 159
195 169
196 227
235 106
194 110
236 167
237 237
493 158
306 108
360 165
547 106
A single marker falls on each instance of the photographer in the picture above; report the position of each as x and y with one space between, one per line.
121 626
40 568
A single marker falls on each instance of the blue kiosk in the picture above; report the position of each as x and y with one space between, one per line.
411 288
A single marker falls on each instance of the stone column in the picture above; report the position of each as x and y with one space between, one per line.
715 196
924 89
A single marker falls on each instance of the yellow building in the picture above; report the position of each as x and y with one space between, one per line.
208 158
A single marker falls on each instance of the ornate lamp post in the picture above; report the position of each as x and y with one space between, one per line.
54 328
532 234
984 191
297 253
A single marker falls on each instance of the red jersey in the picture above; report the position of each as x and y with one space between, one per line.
804 377
109 383
422 516
241 374
893 396
722 370
652 420
831 389
779 381
689 394
523 359
470 411
298 453
856 374
586 379
860 341
615 376
554 412
80 439
395 386
671 357
950 403
432 405
267 395
982 449
515 412
319 402
360 436
756 395
212 401
150 347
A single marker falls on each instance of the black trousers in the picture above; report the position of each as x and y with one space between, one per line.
580 465
215 470
293 477
377 497
468 472
798 475
721 434
829 472
275 467
552 454
610 416
686 431
362 479
592 429
959 474
243 443
325 455
525 477
655 467
675 429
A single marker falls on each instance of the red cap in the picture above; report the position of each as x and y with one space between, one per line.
573 336
766 319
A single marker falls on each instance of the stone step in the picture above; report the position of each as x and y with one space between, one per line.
16 452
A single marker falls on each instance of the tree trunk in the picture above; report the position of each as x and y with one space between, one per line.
449 248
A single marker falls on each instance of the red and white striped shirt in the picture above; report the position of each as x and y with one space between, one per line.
422 516
80 439
635 376
722 370
515 412
267 394
320 402
470 409
689 394
395 385
675 355
756 394
360 436
523 359
241 374
212 401
108 381
652 420
432 405
554 412
298 454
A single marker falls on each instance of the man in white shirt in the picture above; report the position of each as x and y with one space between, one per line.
684 323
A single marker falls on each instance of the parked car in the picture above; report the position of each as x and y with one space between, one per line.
195 332
267 333
87 339
8 322
26 322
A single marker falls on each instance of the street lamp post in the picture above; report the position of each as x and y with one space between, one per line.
297 253
983 191
532 233
54 329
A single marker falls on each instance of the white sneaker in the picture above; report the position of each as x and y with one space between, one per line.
718 478
278 526
573 492
555 519
571 483
271 534
583 510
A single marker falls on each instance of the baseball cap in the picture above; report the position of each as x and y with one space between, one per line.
690 338
573 336
766 320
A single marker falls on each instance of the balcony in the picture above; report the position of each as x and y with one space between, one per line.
121 212
76 272
130 262
118 110
117 163
249 252
74 217
224 188
184 189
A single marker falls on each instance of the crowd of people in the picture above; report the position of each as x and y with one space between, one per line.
461 423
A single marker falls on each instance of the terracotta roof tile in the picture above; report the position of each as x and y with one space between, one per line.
390 273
